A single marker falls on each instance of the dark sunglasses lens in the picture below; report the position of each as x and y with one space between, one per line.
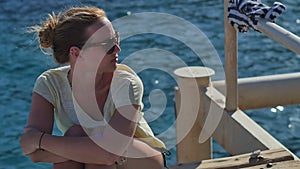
111 50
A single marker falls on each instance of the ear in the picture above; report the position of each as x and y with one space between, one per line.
74 52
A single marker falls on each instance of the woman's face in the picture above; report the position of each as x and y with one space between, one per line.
101 50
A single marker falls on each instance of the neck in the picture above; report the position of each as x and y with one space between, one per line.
70 75
102 79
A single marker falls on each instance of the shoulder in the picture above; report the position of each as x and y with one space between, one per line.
55 73
48 84
52 78
125 68
126 87
125 73
59 71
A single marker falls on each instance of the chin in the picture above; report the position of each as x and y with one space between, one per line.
111 68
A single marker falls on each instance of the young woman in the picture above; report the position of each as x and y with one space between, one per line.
95 102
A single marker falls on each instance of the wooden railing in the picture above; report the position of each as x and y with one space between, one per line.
234 130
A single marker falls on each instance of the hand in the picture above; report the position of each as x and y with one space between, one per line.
121 160
29 140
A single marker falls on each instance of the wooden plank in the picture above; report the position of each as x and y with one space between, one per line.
185 166
237 133
293 164
231 62
245 160
266 91
279 34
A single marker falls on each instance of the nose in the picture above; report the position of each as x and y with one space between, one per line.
117 49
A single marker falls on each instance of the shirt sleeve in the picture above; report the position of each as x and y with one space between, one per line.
42 87
126 89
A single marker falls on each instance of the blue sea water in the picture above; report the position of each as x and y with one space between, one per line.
21 62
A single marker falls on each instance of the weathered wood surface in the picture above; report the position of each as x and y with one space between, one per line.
280 35
191 108
293 164
231 62
242 161
185 166
236 132
245 160
265 91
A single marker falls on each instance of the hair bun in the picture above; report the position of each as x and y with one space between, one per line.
46 33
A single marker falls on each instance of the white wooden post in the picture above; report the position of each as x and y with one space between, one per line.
191 109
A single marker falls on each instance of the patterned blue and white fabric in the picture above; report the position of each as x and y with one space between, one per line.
244 14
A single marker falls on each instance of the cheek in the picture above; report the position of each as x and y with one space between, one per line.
107 64
106 59
95 57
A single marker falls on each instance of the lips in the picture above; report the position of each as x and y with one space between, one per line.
115 59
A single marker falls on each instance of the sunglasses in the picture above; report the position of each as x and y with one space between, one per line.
109 45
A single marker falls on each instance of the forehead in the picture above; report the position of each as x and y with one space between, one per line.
100 30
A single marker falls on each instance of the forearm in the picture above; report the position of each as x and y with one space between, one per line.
80 149
111 142
103 145
46 156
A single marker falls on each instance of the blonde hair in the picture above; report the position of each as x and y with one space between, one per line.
60 32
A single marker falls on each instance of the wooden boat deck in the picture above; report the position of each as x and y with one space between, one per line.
276 158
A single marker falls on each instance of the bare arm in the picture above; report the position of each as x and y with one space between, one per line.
102 150
41 117
81 149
